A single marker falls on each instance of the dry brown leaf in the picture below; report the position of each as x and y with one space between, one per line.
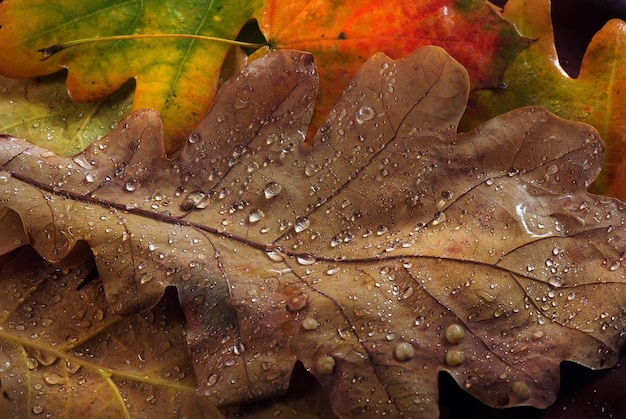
385 251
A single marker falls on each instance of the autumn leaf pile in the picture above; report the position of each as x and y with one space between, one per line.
185 225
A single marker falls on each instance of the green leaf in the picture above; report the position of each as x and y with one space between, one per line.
176 76
40 110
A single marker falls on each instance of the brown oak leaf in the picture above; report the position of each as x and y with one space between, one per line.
388 249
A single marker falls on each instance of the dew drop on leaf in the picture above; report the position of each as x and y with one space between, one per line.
82 162
193 138
192 199
272 189
454 357
301 224
145 278
521 390
255 216
305 260
212 380
555 281
364 113
439 218
53 378
552 169
275 254
239 349
297 302
325 365
131 185
455 334
309 323
404 351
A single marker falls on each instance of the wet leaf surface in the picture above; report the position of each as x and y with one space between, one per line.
385 251
40 109
64 352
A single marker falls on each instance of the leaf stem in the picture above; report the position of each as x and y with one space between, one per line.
56 48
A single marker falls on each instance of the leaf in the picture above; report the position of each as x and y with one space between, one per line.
65 353
536 78
179 77
40 110
381 253
182 86
342 35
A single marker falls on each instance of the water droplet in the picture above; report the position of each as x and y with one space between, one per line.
555 281
239 150
521 390
455 334
297 302
212 379
439 218
301 224
552 169
192 199
325 365
305 260
193 138
82 162
364 113
513 171
454 357
615 265
272 189
407 293
252 166
382 229
52 378
271 139
255 216
309 323
90 178
5 177
145 278
404 351
131 185
276 254
239 349
37 409
31 363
